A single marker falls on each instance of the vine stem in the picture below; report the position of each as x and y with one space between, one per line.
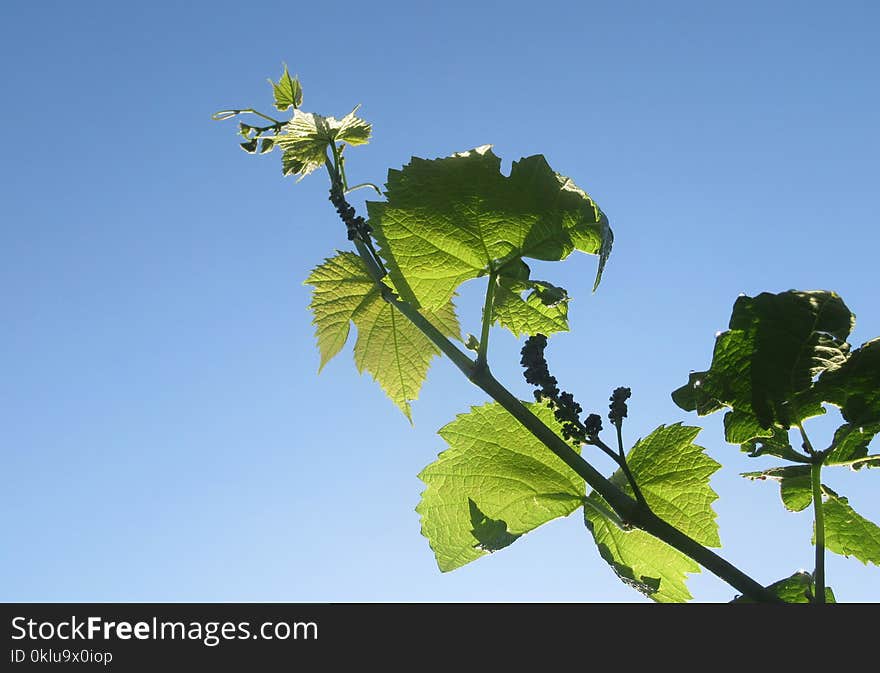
487 320
819 574
628 509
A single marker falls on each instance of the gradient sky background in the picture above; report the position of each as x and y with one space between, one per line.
164 433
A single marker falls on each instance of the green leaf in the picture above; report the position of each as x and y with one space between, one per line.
795 486
673 474
777 444
642 561
851 446
849 534
288 91
448 220
764 366
307 136
249 146
388 345
266 145
799 588
855 386
493 461
543 311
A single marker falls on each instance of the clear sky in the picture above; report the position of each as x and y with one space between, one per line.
163 430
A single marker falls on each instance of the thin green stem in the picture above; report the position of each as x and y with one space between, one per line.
595 441
488 308
819 575
623 466
339 165
808 446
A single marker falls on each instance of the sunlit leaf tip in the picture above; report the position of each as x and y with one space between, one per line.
305 140
288 91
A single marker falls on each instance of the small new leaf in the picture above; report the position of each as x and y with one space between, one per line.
249 146
288 91
543 311
494 461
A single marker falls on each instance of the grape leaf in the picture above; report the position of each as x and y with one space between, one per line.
855 385
673 474
641 561
799 588
543 311
851 446
388 345
795 487
847 533
448 220
306 137
777 444
764 366
496 463
288 91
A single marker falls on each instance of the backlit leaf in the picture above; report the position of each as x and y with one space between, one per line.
307 137
448 220
673 474
795 486
510 477
388 345
848 533
288 91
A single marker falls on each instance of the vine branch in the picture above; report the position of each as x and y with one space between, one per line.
631 511
819 574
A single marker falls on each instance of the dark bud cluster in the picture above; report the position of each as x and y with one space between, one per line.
537 373
565 408
618 405
357 226
593 425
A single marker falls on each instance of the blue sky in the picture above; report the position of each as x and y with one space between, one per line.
165 434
